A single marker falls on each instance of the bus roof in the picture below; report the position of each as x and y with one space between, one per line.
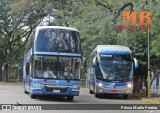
112 49
57 27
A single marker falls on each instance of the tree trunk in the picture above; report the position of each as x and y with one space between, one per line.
139 74
136 81
21 74
5 71
137 84
155 75
1 78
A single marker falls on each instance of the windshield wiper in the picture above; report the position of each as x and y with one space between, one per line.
45 79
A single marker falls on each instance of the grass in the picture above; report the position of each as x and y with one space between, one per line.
5 83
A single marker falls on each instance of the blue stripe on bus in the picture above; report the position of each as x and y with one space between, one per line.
57 53
56 81
113 52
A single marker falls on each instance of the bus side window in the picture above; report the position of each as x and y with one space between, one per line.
27 69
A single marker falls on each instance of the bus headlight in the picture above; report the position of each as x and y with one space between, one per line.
129 85
75 86
99 84
36 84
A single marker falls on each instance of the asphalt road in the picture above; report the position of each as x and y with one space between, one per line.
14 93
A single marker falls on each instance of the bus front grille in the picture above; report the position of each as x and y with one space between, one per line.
52 89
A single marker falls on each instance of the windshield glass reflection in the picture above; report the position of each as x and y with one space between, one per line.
57 68
116 67
57 40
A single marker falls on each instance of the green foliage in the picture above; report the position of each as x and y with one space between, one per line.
13 17
156 46
95 24
93 18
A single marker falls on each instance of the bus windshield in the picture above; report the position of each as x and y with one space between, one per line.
57 40
55 67
116 67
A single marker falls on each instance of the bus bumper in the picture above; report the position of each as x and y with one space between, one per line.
114 90
55 91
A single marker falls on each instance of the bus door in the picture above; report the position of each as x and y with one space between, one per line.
28 76
92 74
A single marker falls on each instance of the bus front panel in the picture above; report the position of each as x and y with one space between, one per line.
103 87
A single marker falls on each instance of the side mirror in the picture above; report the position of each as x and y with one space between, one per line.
135 63
94 62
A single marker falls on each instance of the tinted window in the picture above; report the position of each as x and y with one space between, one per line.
57 40
52 67
116 67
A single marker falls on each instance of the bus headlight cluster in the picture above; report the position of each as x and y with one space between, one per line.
75 86
99 84
129 85
36 84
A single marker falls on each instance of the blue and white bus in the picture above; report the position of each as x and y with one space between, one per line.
110 70
52 62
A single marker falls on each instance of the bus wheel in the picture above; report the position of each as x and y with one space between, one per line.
97 95
70 97
125 96
25 91
91 92
32 96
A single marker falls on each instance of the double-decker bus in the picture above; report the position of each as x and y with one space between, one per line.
110 70
52 62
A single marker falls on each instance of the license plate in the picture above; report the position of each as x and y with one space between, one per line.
57 91
114 91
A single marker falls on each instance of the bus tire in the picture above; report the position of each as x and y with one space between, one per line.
125 96
97 95
25 91
32 96
91 92
70 97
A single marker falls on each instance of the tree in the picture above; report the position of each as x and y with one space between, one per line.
17 20
93 18
14 16
95 25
